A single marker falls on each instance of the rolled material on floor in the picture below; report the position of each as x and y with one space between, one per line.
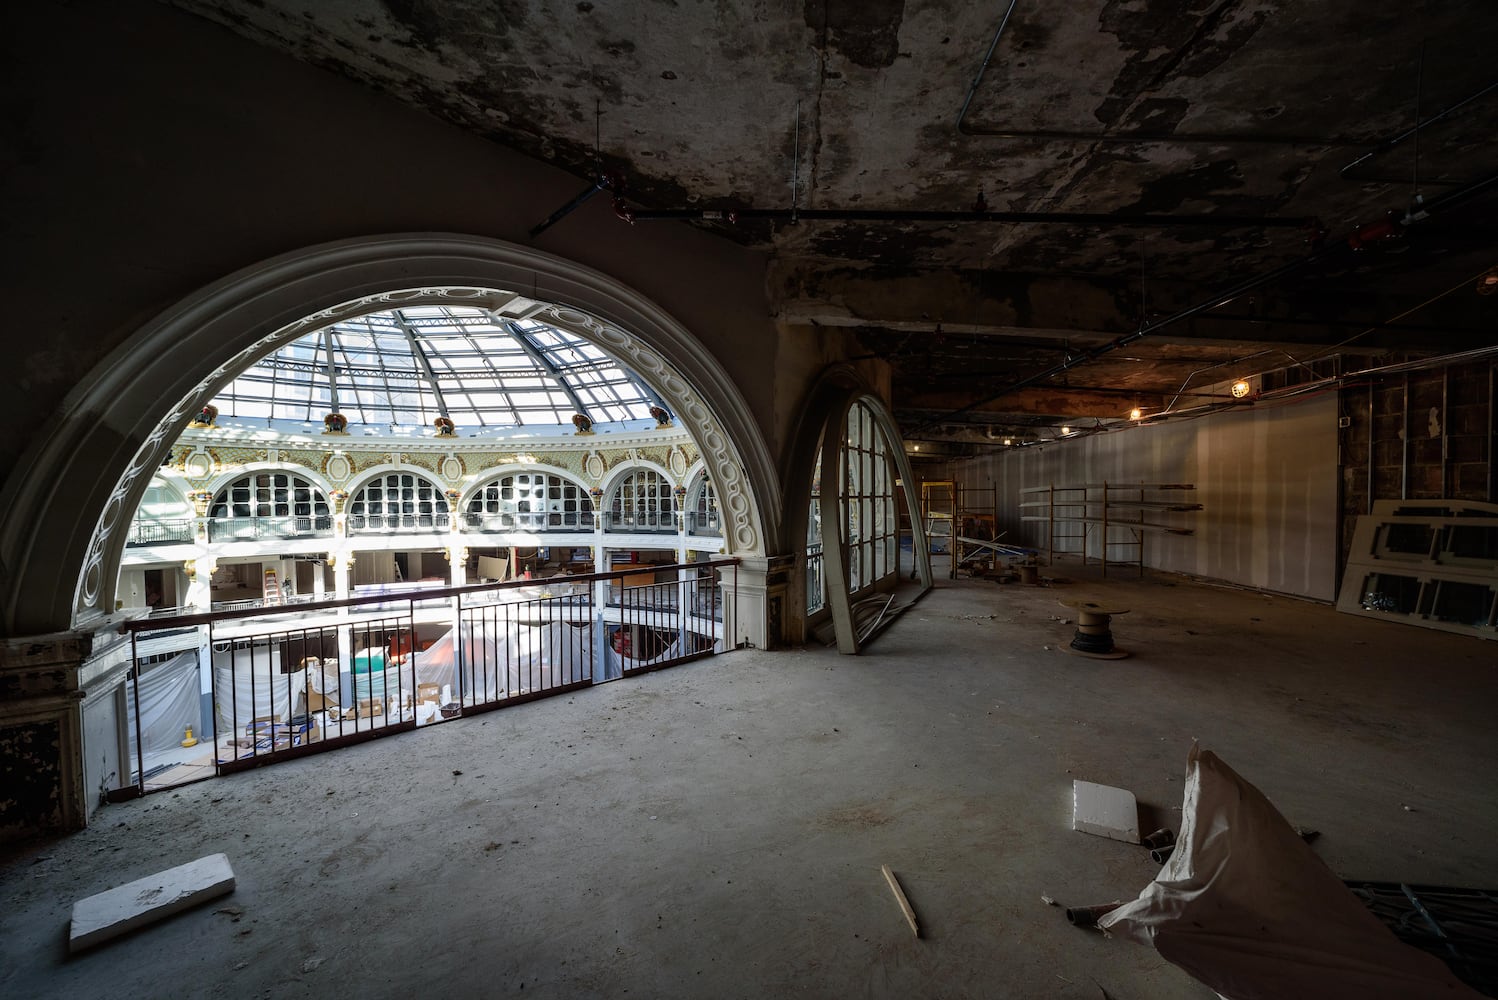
1088 916
1160 855
1162 837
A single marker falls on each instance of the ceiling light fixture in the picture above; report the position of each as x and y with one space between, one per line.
1240 389
1065 431
1008 442
1136 413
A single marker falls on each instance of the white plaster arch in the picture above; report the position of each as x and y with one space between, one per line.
492 473
364 477
177 483
610 482
67 503
224 478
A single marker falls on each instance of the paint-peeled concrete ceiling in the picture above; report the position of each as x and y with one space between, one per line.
1248 122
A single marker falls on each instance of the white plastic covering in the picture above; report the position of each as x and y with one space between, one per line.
248 684
169 703
507 660
1247 907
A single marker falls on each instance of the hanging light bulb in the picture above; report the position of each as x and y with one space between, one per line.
1065 430
1136 413
1240 389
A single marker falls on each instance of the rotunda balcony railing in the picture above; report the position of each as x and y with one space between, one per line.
640 521
545 521
699 523
240 529
160 532
389 524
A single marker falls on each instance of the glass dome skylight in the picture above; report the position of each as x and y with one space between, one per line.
406 367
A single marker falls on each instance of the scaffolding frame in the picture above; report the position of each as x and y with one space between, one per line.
1102 508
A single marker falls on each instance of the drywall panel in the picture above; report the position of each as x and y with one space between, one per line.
1266 475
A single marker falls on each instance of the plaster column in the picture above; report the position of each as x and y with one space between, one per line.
41 734
747 602
200 583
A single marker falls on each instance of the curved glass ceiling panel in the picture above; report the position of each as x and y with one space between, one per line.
409 366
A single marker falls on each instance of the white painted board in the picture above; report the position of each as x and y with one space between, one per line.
115 911
1105 811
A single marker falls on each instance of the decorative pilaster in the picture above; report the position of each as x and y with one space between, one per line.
41 746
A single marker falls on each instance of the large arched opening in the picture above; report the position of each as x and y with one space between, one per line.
70 503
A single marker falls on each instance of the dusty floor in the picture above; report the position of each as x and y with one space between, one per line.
716 830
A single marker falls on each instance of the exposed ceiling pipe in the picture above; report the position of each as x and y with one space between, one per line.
603 181
733 216
1064 135
1359 238
1385 145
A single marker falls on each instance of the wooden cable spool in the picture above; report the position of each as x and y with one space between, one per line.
1093 637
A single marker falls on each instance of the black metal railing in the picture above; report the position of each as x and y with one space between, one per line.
569 520
290 681
230 529
375 524
159 532
816 588
643 521
699 523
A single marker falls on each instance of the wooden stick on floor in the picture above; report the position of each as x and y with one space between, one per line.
894 885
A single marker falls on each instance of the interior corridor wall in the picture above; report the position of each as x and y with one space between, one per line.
1266 476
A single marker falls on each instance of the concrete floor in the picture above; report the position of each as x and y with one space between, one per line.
716 830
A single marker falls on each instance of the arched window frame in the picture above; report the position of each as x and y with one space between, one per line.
269 503
702 507
509 502
397 500
641 500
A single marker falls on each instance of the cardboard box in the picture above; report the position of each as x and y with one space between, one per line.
371 707
428 692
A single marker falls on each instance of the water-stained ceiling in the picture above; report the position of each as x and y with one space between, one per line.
993 195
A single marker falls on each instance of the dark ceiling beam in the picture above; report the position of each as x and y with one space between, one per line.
1057 401
1100 220
1329 252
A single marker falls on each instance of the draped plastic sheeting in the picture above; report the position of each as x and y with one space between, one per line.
169 703
248 684
618 663
506 660
1247 907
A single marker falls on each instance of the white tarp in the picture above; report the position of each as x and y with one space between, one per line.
248 684
507 660
169 703
1247 907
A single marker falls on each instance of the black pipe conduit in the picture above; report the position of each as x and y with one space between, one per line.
732 216
1328 252
1215 138
1384 145
570 207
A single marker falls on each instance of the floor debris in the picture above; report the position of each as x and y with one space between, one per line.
894 885
1105 811
109 914
1246 906
1088 916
